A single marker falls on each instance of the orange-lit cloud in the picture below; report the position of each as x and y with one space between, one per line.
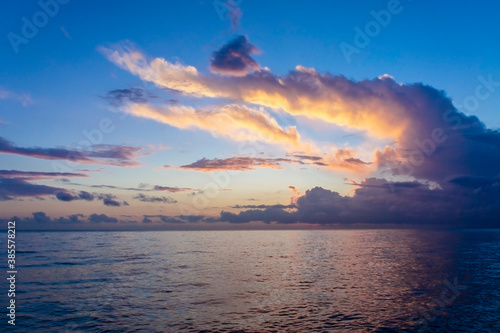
373 105
235 122
420 120
296 195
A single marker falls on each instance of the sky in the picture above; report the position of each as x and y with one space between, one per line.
249 114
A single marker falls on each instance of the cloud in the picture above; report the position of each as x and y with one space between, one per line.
121 96
178 219
235 122
356 161
279 206
372 105
65 32
306 157
141 188
111 202
240 163
38 175
102 218
267 215
40 219
172 189
378 201
145 198
11 188
235 13
100 154
412 132
24 99
234 58
107 199
295 197
15 183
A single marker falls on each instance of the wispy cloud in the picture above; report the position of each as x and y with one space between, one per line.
235 13
234 122
38 174
65 32
18 184
11 188
23 98
122 156
172 189
152 199
240 163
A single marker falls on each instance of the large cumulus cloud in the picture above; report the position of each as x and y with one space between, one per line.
440 166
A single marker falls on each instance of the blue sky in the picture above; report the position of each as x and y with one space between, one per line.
62 82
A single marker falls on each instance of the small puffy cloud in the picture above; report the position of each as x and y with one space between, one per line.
234 58
107 199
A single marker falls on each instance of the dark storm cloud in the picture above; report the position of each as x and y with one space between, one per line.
99 154
234 58
379 201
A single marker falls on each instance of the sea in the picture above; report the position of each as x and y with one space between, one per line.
384 280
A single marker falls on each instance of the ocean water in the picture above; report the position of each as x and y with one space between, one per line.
257 281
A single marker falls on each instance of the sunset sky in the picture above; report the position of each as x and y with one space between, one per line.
186 114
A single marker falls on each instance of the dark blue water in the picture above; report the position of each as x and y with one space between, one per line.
257 281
